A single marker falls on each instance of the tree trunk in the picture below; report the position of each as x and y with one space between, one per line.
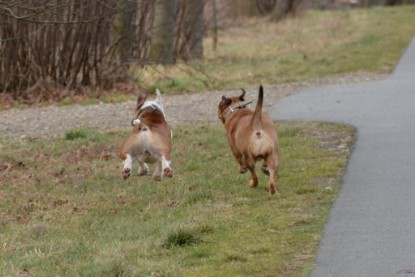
214 26
280 10
244 8
162 42
392 2
191 30
124 28
285 8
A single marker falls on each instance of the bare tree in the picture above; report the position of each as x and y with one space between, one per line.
189 39
265 6
285 8
162 42
124 28
214 25
393 2
245 8
143 29
54 43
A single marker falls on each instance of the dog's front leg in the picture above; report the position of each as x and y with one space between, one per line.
126 170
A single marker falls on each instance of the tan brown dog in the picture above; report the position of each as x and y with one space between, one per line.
251 136
150 141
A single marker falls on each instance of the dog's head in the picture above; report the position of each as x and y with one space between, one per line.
143 105
228 105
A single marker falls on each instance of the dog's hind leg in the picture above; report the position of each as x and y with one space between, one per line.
243 168
265 169
254 181
272 166
271 183
126 170
142 168
165 165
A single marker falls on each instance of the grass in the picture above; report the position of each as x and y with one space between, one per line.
319 44
79 132
66 211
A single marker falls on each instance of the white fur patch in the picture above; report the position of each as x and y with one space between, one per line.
151 103
128 161
157 102
164 163
136 121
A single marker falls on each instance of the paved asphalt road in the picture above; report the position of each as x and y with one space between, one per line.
371 228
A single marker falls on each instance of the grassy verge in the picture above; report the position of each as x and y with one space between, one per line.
66 211
319 44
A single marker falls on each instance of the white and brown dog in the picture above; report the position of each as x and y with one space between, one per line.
150 141
251 136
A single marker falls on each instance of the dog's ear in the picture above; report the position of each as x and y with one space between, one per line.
158 99
242 97
140 100
158 93
226 101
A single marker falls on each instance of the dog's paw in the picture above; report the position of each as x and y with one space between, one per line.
168 172
126 172
253 183
272 189
243 170
143 172
156 177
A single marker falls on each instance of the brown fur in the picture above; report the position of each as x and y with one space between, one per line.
150 141
251 136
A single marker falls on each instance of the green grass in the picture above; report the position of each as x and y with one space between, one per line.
79 132
65 210
318 44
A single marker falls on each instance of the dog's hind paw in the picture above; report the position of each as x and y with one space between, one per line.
126 173
168 172
272 189
265 170
143 172
253 183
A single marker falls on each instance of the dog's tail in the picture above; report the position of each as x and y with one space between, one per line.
256 120
138 125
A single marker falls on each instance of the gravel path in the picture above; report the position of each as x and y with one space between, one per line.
53 121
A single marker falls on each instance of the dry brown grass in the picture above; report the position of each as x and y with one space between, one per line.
319 44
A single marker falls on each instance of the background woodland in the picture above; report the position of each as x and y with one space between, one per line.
52 47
